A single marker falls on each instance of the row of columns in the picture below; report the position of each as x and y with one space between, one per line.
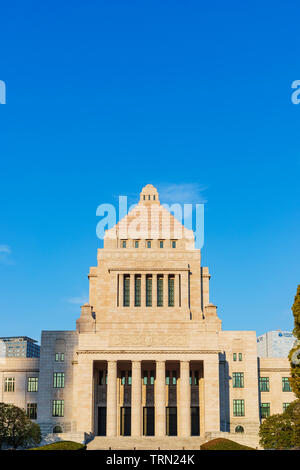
160 399
179 282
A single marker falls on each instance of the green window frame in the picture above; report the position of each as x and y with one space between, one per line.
173 244
32 384
264 410
238 408
240 356
167 377
161 244
285 406
126 290
171 289
234 356
148 290
174 377
58 380
160 291
286 386
136 244
148 244
137 291
123 243
9 384
238 379
103 377
58 408
31 411
264 384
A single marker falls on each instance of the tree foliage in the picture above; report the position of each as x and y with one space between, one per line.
294 355
16 429
282 431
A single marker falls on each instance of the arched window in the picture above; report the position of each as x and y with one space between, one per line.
239 429
57 429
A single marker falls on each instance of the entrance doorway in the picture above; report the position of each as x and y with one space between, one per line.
125 424
195 423
148 421
171 417
102 421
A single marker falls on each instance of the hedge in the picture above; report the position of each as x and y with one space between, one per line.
61 445
223 444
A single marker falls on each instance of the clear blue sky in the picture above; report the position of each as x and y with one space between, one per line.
104 97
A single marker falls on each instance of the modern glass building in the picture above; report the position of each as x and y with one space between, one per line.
19 346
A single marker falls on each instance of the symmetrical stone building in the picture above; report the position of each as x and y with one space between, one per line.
149 356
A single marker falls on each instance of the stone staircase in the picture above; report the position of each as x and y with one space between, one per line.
145 443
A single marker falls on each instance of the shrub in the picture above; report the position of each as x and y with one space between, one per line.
223 444
62 445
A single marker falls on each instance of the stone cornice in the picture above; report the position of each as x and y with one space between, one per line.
149 351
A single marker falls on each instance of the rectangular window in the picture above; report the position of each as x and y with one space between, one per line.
174 377
149 291
129 381
123 244
137 291
264 410
238 408
167 377
136 244
32 384
62 357
161 244
123 377
264 384
58 380
32 410
286 387
173 244
171 282
148 244
160 291
238 379
126 291
152 377
56 357
58 408
102 377
240 356
285 406
145 378
234 356
9 384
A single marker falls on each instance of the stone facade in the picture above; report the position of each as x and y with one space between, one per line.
149 356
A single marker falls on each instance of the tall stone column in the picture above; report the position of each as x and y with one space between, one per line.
111 406
160 399
211 393
136 399
185 400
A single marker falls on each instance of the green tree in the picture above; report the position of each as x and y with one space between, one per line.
283 430
294 355
276 432
16 429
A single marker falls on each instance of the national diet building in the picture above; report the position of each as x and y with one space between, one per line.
148 363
